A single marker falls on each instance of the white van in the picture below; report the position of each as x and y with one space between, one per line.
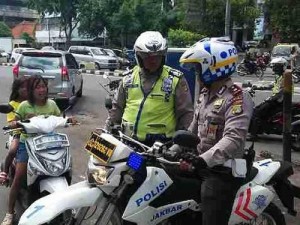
94 54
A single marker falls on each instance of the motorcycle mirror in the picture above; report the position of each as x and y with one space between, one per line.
108 103
6 108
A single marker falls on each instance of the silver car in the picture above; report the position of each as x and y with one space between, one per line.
59 68
96 55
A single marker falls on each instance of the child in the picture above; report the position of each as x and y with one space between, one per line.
18 94
37 104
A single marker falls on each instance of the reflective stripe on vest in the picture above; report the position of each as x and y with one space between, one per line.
152 113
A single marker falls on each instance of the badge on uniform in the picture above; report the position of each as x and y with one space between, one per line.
237 109
218 103
212 131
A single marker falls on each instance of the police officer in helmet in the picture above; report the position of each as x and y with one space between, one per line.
272 104
153 100
221 119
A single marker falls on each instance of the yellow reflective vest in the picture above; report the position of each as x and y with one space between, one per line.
150 115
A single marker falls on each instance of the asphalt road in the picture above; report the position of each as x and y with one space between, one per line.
91 113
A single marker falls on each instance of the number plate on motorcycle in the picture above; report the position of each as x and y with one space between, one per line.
100 147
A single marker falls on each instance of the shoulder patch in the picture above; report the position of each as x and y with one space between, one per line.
235 90
175 73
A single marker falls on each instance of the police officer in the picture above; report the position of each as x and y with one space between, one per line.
274 103
153 100
221 121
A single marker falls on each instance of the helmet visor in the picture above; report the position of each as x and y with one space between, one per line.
191 66
145 55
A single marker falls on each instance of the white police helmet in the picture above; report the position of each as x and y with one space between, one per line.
150 42
212 58
279 65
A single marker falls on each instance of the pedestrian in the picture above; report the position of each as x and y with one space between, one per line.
18 94
221 119
37 104
153 100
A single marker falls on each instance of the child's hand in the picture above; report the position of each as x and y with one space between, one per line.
72 121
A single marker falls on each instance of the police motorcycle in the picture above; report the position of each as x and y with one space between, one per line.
49 167
142 185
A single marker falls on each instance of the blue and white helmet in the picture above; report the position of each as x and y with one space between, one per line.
213 58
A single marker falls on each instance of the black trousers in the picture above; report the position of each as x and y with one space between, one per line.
218 191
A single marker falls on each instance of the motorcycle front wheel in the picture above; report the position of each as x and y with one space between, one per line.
272 215
241 70
259 73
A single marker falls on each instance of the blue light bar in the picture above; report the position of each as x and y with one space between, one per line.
135 161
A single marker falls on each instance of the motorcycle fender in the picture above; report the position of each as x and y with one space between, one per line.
53 184
297 122
249 203
47 208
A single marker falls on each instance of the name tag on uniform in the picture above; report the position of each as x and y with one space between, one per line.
212 131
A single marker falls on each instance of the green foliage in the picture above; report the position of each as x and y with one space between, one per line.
27 37
4 30
125 19
284 18
183 38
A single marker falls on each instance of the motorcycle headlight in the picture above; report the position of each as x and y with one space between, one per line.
98 174
54 167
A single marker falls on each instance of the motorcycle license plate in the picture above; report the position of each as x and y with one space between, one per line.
100 148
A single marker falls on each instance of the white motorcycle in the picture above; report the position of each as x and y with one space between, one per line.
134 183
49 164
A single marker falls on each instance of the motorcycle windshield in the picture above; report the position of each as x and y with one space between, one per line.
42 124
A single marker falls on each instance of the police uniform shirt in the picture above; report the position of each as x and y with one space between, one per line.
221 120
184 108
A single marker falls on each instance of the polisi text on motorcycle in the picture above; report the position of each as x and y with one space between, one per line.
148 196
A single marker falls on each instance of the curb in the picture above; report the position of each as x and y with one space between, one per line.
99 72
6 64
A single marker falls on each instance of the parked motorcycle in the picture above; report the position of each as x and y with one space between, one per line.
243 69
274 124
141 186
296 75
49 165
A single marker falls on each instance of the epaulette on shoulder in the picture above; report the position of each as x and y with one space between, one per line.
175 73
235 90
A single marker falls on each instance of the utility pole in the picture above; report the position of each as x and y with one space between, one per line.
227 18
287 111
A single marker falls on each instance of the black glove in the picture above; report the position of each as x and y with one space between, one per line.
191 161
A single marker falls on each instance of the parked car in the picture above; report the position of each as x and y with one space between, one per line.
17 52
123 62
94 54
131 57
59 68
248 44
4 56
283 50
47 48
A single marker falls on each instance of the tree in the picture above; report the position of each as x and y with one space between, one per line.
27 37
4 30
208 16
67 10
125 19
284 19
183 38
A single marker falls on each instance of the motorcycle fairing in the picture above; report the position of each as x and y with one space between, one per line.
47 208
52 184
249 203
266 170
150 215
156 182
